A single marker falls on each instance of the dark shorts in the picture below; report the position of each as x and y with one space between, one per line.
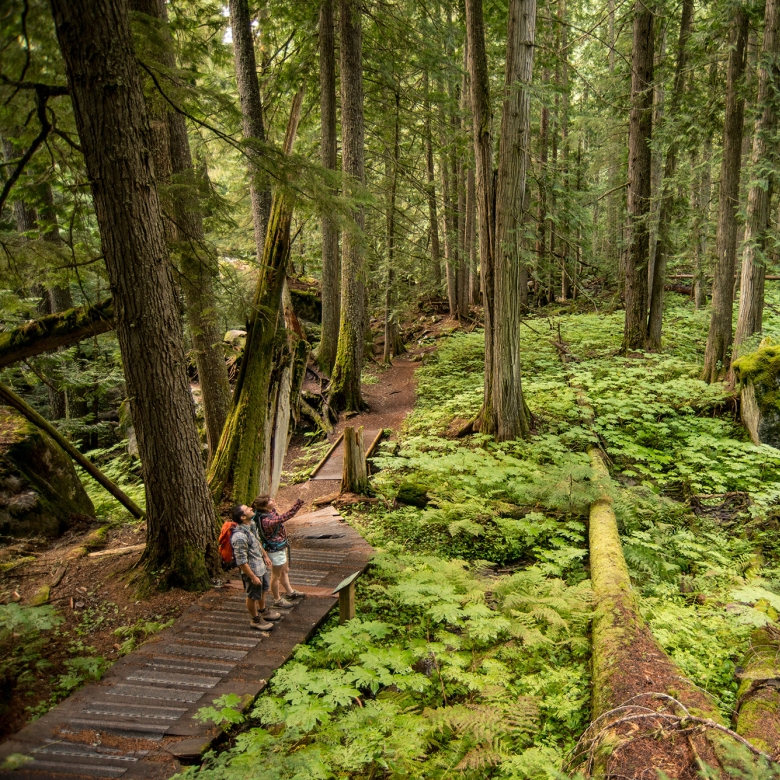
255 592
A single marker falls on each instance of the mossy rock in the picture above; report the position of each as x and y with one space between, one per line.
758 374
41 596
412 493
97 538
40 491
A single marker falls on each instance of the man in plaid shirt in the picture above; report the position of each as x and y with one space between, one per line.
272 532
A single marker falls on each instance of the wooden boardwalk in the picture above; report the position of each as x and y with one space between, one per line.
138 721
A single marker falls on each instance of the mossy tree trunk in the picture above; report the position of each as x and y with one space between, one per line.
391 177
345 391
758 697
113 126
241 457
55 331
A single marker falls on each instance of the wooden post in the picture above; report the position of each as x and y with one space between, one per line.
354 478
347 603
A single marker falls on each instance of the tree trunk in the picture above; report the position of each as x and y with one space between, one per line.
197 266
668 200
762 164
450 224
471 237
482 117
55 331
541 230
354 477
251 112
510 419
716 352
433 217
59 295
391 176
563 217
331 267
345 391
700 202
462 285
639 160
241 460
108 103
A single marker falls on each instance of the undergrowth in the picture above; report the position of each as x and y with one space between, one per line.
469 656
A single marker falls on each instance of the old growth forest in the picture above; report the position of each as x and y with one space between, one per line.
534 244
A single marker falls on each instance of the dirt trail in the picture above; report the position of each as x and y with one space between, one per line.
389 401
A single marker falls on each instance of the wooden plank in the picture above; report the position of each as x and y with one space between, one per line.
327 455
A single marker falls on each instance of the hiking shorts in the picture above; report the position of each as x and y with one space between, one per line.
255 592
278 558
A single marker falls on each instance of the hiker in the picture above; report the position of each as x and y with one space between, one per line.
270 526
253 563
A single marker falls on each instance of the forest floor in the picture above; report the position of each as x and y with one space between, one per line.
101 616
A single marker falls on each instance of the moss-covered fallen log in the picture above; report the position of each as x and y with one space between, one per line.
9 397
645 713
758 698
55 331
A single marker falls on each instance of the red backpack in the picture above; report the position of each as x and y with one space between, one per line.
225 541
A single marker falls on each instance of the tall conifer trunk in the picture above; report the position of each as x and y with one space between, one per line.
198 269
719 337
331 267
483 120
253 121
345 391
667 205
763 156
510 418
433 216
108 103
639 162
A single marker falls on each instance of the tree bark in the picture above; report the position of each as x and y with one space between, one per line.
55 331
197 266
241 459
639 161
354 477
391 176
668 200
762 164
510 419
253 122
483 119
345 391
719 336
108 103
471 237
541 230
433 216
9 397
331 267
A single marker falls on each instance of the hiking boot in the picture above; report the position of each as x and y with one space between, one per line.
283 603
296 594
269 614
260 625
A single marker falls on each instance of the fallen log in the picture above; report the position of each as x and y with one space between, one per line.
758 698
117 551
55 331
8 396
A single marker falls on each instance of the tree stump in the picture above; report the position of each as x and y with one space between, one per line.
758 375
354 477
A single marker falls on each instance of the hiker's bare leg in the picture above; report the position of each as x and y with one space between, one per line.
288 589
276 575
251 605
